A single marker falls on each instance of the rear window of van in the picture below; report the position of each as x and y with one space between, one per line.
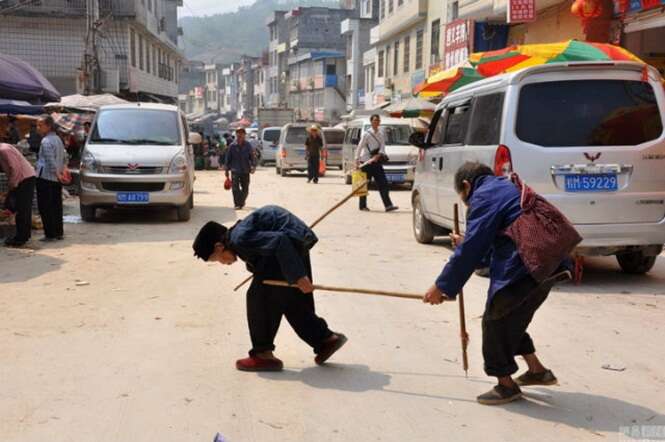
296 135
588 113
334 136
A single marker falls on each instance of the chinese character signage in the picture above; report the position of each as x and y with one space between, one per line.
630 6
521 11
457 42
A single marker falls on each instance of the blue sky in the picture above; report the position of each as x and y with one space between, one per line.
210 7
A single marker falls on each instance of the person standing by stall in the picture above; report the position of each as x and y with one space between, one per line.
50 168
370 155
314 146
21 177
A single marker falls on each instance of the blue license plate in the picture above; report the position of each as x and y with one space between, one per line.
607 182
133 197
396 178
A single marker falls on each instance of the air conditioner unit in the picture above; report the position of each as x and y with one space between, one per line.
110 80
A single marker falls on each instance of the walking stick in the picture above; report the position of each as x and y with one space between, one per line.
464 336
353 193
350 290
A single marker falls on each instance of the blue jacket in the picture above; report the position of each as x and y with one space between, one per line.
274 243
240 158
494 205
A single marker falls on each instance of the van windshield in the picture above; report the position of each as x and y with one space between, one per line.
588 113
334 136
136 126
296 135
271 135
397 134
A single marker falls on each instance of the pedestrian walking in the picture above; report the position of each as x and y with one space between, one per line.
21 178
240 162
314 148
50 170
274 244
370 156
514 295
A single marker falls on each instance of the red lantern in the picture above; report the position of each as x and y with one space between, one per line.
587 9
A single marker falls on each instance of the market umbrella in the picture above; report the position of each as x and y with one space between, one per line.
21 81
447 81
17 107
411 108
514 58
71 122
86 103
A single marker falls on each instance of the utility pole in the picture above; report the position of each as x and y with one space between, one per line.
90 69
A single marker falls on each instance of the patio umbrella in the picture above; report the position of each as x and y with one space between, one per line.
20 81
447 81
71 122
514 58
411 108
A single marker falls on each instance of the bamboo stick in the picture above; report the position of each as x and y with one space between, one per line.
350 290
464 336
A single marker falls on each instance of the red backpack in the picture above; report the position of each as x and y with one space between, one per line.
542 234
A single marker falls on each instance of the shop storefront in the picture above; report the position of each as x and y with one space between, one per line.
644 29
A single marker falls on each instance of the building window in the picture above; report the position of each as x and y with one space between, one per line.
407 52
454 11
436 37
381 65
382 9
150 5
390 6
396 59
419 49
154 60
147 57
140 52
388 61
400 3
132 46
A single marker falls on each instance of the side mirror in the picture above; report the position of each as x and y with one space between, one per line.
195 138
418 139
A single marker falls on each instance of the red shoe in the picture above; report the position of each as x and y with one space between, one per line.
329 348
253 363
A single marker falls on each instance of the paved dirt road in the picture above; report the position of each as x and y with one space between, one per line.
145 351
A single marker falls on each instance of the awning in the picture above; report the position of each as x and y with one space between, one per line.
20 81
16 107
643 21
85 103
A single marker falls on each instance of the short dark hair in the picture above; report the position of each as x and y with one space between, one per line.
374 116
48 120
241 130
209 235
470 171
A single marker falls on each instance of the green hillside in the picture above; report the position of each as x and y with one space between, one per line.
222 38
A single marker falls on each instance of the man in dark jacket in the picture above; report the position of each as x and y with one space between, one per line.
240 161
513 297
274 244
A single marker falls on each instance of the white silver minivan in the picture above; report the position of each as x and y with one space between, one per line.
401 166
138 154
587 136
291 150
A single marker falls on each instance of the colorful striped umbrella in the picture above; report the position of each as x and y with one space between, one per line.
411 108
447 81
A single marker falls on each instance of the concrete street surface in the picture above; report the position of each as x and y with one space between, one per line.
119 334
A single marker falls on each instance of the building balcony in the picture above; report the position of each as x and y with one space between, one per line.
493 10
348 26
369 57
374 35
402 18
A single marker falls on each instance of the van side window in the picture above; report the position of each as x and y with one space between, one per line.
485 126
438 129
355 139
186 128
457 124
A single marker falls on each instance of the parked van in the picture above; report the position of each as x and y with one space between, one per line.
291 152
138 154
588 137
269 144
403 156
334 144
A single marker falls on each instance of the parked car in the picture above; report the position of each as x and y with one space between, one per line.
588 137
269 144
334 145
291 151
138 154
400 169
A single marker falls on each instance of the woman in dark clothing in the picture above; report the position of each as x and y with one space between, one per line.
314 145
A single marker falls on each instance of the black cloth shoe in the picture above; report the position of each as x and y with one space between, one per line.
364 209
500 395
544 378
12 242
329 348
47 239
391 208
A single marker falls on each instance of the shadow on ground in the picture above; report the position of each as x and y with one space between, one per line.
30 265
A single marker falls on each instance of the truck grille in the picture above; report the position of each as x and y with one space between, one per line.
124 170
133 187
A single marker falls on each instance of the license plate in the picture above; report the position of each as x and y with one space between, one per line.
132 197
396 178
607 182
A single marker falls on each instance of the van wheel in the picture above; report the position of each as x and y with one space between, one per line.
191 201
636 263
283 172
88 213
423 229
184 212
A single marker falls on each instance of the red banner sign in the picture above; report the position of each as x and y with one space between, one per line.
521 11
457 42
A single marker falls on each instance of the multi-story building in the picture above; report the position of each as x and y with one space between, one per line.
357 31
260 68
278 54
191 75
214 84
230 100
136 45
246 87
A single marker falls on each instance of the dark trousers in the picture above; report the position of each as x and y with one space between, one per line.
313 168
375 172
49 201
240 188
267 304
23 194
505 322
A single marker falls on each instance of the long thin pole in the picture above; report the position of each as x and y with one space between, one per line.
464 336
353 193
350 290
